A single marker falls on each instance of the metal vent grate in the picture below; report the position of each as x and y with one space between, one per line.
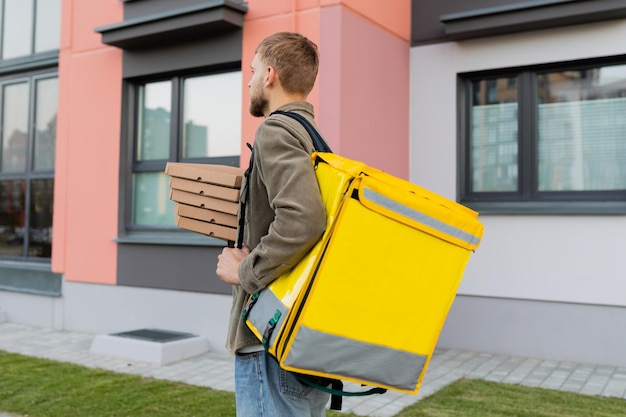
155 335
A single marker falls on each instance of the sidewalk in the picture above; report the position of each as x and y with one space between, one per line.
215 370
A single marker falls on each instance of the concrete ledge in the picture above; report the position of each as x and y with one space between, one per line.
160 353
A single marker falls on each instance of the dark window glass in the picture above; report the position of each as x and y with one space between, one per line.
40 224
12 217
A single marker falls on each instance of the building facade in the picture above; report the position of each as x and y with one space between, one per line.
144 82
517 111
513 108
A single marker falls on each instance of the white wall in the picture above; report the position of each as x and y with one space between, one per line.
543 286
575 259
103 309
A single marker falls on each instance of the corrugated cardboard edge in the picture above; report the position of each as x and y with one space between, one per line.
223 175
205 228
203 188
203 201
205 215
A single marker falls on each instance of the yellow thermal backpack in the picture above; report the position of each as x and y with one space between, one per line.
368 301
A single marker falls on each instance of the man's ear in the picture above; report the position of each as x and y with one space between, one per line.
270 76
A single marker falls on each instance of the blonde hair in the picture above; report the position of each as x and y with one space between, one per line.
294 58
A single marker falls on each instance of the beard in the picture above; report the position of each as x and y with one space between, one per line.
258 103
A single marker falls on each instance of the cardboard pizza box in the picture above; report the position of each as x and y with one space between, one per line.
205 215
224 175
203 188
204 202
209 229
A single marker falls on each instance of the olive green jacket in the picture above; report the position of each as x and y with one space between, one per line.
284 215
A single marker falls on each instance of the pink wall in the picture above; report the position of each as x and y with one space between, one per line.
391 15
365 90
88 143
362 93
361 99
263 19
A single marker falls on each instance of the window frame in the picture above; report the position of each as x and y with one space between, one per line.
527 199
161 234
28 274
29 174
26 60
157 39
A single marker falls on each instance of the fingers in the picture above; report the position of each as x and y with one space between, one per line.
228 264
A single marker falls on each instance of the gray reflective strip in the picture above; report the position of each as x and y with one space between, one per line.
339 356
392 205
264 310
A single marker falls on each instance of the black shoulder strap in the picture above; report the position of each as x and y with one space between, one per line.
319 143
244 198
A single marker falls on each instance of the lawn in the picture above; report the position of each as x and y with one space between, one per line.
478 398
43 388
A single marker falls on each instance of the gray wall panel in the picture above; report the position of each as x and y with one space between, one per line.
446 20
425 24
541 329
185 268
223 50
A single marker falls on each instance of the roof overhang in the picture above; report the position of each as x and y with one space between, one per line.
174 26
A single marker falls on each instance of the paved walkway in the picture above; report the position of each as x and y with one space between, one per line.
215 370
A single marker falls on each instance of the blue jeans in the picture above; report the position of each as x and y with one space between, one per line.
263 389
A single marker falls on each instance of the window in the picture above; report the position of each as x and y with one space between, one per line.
194 119
181 102
28 111
27 166
30 27
546 139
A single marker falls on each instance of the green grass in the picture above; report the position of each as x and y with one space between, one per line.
478 398
44 388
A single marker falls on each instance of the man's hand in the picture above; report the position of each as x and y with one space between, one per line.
228 264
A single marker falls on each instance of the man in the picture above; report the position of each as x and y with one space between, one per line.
284 218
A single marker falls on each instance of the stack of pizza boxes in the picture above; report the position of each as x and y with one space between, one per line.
206 198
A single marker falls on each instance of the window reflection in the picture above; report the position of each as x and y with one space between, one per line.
48 25
15 127
494 138
212 121
151 203
25 21
155 109
17 28
45 124
582 129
